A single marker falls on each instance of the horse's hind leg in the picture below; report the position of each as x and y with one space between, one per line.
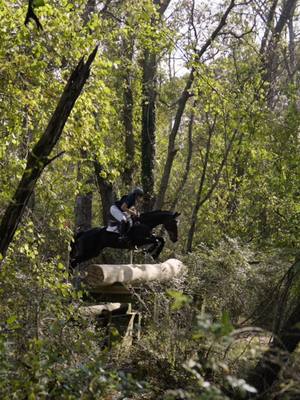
75 257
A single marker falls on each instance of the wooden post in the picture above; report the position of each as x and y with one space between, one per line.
131 257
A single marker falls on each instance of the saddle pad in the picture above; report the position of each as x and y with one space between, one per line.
112 228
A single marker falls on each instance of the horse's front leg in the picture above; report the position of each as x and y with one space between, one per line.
159 245
148 244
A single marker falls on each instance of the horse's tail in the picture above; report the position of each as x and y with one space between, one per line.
72 256
74 250
78 234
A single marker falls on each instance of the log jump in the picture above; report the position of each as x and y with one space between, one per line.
114 283
98 276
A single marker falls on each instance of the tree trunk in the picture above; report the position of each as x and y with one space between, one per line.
180 110
292 50
89 9
270 56
84 201
105 189
83 212
38 158
269 27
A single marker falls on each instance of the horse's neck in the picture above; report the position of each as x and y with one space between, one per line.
153 219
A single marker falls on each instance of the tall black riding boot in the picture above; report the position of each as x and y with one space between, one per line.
123 229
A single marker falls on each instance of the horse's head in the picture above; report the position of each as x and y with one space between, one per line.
171 226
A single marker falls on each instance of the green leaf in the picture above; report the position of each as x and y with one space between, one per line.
60 266
38 3
11 319
179 299
226 324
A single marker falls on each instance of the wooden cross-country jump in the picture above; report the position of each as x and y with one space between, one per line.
113 283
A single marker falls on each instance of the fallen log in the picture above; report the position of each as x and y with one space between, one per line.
97 276
96 310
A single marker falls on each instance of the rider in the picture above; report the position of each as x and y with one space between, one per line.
126 204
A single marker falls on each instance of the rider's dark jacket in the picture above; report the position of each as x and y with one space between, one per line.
129 199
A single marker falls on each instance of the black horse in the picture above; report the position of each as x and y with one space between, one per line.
89 244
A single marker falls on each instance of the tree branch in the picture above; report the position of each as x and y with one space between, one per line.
49 161
31 15
186 94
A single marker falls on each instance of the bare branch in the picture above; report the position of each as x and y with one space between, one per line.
49 161
236 35
31 15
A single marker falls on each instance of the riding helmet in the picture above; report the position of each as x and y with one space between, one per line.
138 191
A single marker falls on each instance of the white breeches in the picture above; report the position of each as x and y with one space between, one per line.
117 213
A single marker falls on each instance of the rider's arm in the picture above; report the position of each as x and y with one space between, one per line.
124 208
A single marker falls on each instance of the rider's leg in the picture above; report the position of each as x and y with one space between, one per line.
117 213
123 228
119 216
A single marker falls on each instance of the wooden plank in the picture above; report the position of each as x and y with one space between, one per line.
111 297
95 310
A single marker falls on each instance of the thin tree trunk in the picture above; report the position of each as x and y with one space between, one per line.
171 144
149 117
183 181
201 200
239 167
292 49
180 110
148 126
38 158
199 192
128 119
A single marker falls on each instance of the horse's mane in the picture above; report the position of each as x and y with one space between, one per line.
155 212
156 216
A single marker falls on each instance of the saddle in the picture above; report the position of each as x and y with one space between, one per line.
114 225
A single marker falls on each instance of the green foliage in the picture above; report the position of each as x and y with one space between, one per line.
38 3
179 299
